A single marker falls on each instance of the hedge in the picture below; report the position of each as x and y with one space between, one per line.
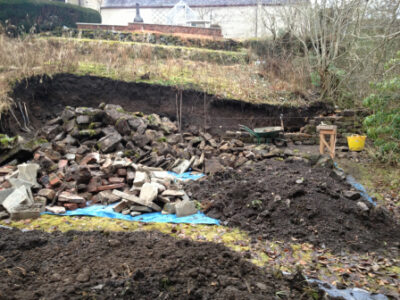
44 15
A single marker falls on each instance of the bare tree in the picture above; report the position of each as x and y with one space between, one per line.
340 33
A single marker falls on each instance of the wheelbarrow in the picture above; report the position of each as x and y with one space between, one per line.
273 134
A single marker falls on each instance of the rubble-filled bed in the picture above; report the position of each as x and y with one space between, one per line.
139 265
294 201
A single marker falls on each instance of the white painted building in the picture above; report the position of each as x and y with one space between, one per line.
237 18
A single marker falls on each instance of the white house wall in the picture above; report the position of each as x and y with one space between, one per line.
235 22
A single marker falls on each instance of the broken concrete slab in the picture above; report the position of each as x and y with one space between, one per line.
182 167
109 143
56 209
140 178
169 208
5 193
121 206
18 199
26 213
107 197
162 175
28 172
185 208
40 202
149 192
173 193
15 182
136 200
70 197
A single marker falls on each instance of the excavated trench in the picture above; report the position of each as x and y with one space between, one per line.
44 97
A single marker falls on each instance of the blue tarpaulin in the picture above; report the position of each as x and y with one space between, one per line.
347 294
358 186
107 211
187 175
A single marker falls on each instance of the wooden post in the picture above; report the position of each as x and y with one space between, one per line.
331 131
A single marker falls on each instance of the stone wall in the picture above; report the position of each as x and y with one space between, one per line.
348 122
235 21
212 32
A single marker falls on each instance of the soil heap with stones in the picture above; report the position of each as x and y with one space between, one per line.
139 265
291 200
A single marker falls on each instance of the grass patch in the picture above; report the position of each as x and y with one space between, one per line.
383 183
169 51
131 62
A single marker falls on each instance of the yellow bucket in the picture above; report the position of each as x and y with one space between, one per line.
356 142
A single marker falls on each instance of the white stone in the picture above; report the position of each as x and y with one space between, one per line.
58 210
140 178
361 205
160 187
182 167
162 175
18 199
5 193
149 192
70 156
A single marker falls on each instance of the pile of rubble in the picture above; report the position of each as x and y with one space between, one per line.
105 154
97 179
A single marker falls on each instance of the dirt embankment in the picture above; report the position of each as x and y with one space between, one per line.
139 265
286 200
46 97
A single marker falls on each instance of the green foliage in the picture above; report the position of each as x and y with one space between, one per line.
315 79
383 125
43 15
6 141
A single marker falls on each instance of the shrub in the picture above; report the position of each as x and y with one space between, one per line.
44 15
383 125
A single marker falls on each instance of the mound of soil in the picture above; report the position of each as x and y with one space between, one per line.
139 265
283 200
46 97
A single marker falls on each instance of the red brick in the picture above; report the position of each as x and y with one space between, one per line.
116 180
62 163
54 180
70 206
110 187
94 183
